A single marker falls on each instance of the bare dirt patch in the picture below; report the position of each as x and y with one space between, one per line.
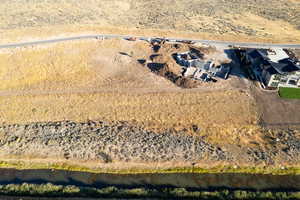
162 62
276 112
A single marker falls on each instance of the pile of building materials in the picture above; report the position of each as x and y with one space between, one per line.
273 67
199 69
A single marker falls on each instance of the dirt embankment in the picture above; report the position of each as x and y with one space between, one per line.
112 144
102 142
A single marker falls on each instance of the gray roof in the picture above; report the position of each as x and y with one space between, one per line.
284 67
271 70
254 54
257 54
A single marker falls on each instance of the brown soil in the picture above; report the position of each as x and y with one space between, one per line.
276 112
162 62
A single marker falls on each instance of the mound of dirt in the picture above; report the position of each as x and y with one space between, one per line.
163 63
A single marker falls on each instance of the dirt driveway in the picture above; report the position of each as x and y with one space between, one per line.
277 112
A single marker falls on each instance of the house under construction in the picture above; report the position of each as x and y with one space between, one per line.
199 69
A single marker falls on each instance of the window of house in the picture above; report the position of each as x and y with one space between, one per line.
274 84
292 82
277 77
283 80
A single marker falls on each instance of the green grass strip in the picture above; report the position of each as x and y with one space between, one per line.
289 93
219 169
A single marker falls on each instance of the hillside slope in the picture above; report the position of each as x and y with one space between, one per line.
232 19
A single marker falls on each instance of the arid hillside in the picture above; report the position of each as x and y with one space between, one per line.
114 103
103 80
79 65
213 19
131 100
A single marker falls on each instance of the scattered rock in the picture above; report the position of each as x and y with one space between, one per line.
119 141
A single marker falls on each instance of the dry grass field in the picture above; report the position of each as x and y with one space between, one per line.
165 110
96 80
78 65
262 20
102 80
93 80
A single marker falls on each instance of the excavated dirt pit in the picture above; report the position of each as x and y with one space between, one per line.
162 61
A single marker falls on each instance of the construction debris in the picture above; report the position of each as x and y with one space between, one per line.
199 69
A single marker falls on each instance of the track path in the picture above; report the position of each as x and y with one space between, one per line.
109 36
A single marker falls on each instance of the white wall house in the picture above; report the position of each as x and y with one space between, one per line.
200 69
275 67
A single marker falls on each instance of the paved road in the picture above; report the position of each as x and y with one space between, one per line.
109 36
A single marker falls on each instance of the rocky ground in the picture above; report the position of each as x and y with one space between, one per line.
106 143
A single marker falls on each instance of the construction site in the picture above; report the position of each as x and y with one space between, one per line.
139 98
113 67
116 92
188 64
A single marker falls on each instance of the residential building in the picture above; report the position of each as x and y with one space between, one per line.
200 69
274 67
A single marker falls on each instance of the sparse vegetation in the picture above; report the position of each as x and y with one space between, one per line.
105 84
21 165
156 111
104 147
289 93
217 19
53 84
50 190
145 120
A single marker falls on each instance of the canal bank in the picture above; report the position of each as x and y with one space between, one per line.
205 181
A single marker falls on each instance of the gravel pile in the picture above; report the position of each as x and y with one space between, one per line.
103 142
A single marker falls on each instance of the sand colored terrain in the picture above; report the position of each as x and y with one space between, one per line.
85 82
102 80
165 110
79 65
223 20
